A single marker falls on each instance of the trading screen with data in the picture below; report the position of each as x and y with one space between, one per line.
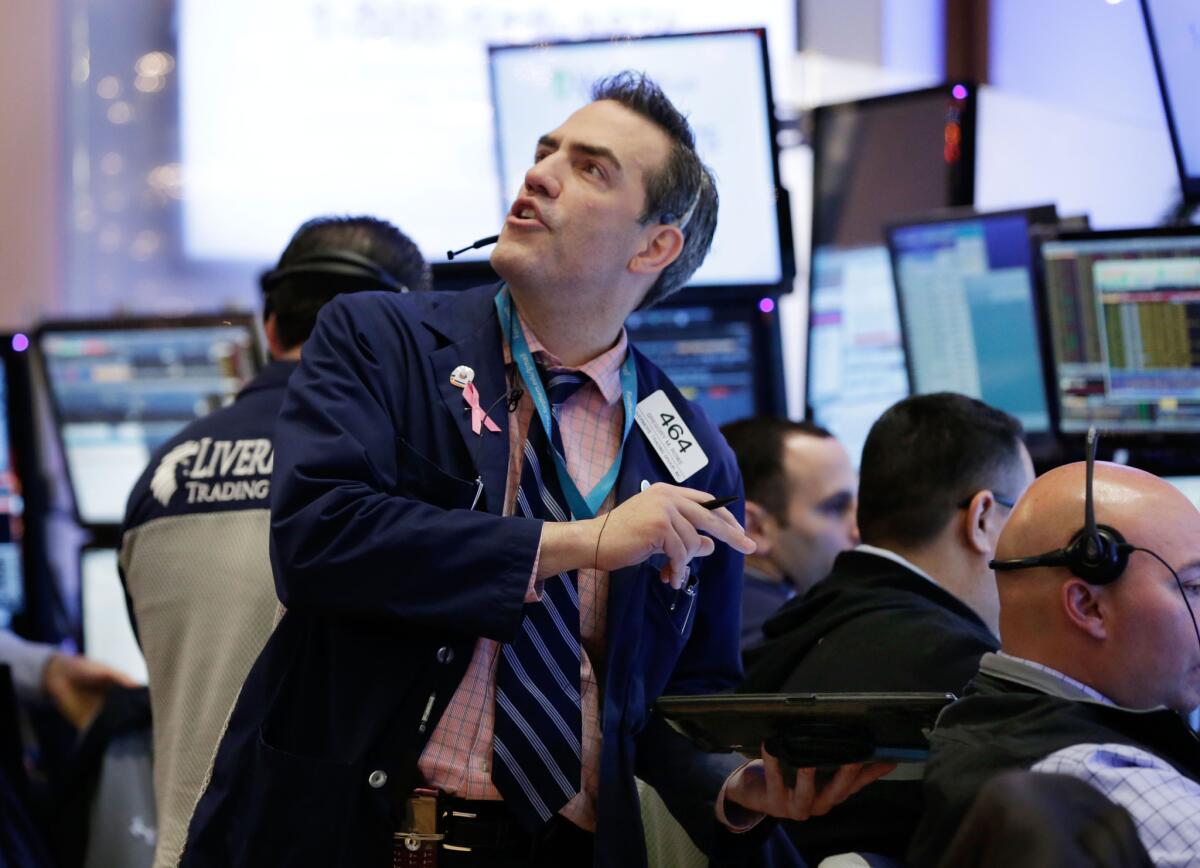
119 393
966 297
1124 313
710 358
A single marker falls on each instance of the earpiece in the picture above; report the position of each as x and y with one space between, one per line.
1098 554
342 263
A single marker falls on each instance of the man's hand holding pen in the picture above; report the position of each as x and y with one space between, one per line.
670 520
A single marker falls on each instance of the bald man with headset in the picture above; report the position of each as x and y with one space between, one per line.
1100 661
194 548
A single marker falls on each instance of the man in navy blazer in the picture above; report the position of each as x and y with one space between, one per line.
395 557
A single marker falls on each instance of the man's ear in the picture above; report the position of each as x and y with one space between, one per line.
980 524
662 247
761 527
1084 607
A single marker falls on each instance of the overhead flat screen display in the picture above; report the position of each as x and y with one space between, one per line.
726 98
1124 316
1174 29
966 292
291 110
875 161
119 392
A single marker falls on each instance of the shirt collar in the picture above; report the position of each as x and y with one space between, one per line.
604 370
892 556
1040 677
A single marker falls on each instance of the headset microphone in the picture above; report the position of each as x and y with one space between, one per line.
482 242
1097 553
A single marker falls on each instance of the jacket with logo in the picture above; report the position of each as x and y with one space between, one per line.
197 572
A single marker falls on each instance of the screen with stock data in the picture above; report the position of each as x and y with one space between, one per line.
709 358
121 392
1124 314
965 288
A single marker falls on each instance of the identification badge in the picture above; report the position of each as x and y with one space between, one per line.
670 436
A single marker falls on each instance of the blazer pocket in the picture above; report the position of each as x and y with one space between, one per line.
423 479
307 802
679 606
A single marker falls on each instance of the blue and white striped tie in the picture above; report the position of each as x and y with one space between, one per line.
537 754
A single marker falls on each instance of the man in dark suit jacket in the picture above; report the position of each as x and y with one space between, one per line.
409 549
914 607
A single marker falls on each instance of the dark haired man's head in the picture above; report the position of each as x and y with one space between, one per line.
800 497
616 212
683 191
332 255
939 475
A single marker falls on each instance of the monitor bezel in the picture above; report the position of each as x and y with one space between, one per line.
783 216
1189 185
961 188
1039 443
1157 450
107 530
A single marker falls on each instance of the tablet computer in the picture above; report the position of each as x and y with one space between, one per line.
810 729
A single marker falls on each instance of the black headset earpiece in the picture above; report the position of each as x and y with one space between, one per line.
1097 553
341 263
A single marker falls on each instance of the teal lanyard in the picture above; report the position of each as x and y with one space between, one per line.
580 506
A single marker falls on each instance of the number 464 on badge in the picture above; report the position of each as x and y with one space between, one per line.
670 436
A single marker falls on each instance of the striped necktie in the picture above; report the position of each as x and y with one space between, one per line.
537 753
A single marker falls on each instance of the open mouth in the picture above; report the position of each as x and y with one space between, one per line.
525 212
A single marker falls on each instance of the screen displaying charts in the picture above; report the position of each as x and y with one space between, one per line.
120 392
1124 314
709 358
965 288
726 99
856 356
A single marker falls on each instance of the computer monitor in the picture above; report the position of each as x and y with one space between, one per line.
964 286
15 469
120 389
727 99
875 161
1123 312
108 635
724 357
1174 30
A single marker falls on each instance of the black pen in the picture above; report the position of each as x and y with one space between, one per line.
718 502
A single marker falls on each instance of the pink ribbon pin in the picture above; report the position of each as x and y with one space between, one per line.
478 417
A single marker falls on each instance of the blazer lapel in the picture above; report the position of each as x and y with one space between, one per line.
475 342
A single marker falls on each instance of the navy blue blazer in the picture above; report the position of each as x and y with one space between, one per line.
390 577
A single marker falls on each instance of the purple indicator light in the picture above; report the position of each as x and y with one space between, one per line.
766 305
20 343
959 92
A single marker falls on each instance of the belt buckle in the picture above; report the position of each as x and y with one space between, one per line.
416 843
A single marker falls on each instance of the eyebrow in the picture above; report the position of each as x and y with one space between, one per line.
548 141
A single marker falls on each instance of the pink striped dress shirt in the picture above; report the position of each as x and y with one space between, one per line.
458 757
